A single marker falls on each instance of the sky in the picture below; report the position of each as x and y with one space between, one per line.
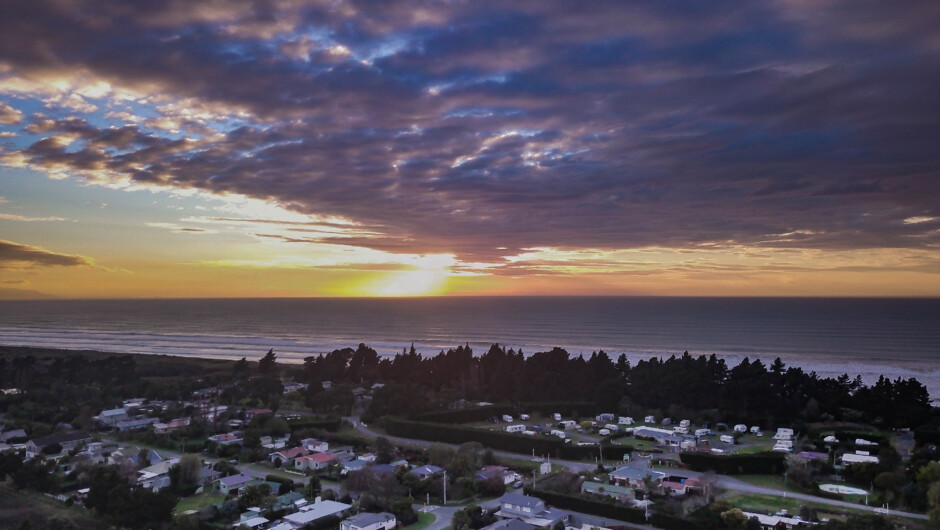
352 148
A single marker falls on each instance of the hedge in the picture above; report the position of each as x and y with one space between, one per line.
327 424
282 481
575 503
466 415
672 522
925 435
496 440
768 463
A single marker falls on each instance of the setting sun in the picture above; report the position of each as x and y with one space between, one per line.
421 282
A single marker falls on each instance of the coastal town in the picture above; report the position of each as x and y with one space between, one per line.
296 455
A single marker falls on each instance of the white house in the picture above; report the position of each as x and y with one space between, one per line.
314 512
315 446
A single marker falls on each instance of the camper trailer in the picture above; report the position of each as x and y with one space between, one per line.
524 417
507 418
605 418
649 419
556 416
604 432
727 438
740 428
567 424
611 427
515 428
625 420
685 423
680 430
560 434
701 432
755 429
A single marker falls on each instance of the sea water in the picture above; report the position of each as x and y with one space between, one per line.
868 337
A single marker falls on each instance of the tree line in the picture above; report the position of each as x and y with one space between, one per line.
678 386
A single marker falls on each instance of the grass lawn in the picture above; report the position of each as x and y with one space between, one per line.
764 481
751 449
199 501
773 504
425 519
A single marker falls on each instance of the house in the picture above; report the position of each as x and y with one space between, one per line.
367 457
287 456
529 510
369 521
315 446
508 476
634 477
112 416
620 493
67 441
228 438
314 512
135 425
427 471
170 426
254 522
343 453
314 462
232 484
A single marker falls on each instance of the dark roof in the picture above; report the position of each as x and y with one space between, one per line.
366 519
61 438
517 499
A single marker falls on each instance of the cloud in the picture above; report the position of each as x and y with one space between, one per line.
14 217
482 129
16 255
9 115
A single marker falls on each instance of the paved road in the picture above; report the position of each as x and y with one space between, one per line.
724 481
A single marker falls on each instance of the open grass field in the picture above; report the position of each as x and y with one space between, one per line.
198 501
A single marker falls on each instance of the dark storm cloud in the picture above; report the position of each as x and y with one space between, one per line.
468 127
16 255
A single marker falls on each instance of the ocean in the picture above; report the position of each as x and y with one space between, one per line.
867 337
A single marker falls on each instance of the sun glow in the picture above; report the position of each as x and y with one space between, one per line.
420 282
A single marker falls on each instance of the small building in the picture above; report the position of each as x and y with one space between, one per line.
170 426
369 521
253 413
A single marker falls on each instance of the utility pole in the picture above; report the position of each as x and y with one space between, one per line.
445 488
